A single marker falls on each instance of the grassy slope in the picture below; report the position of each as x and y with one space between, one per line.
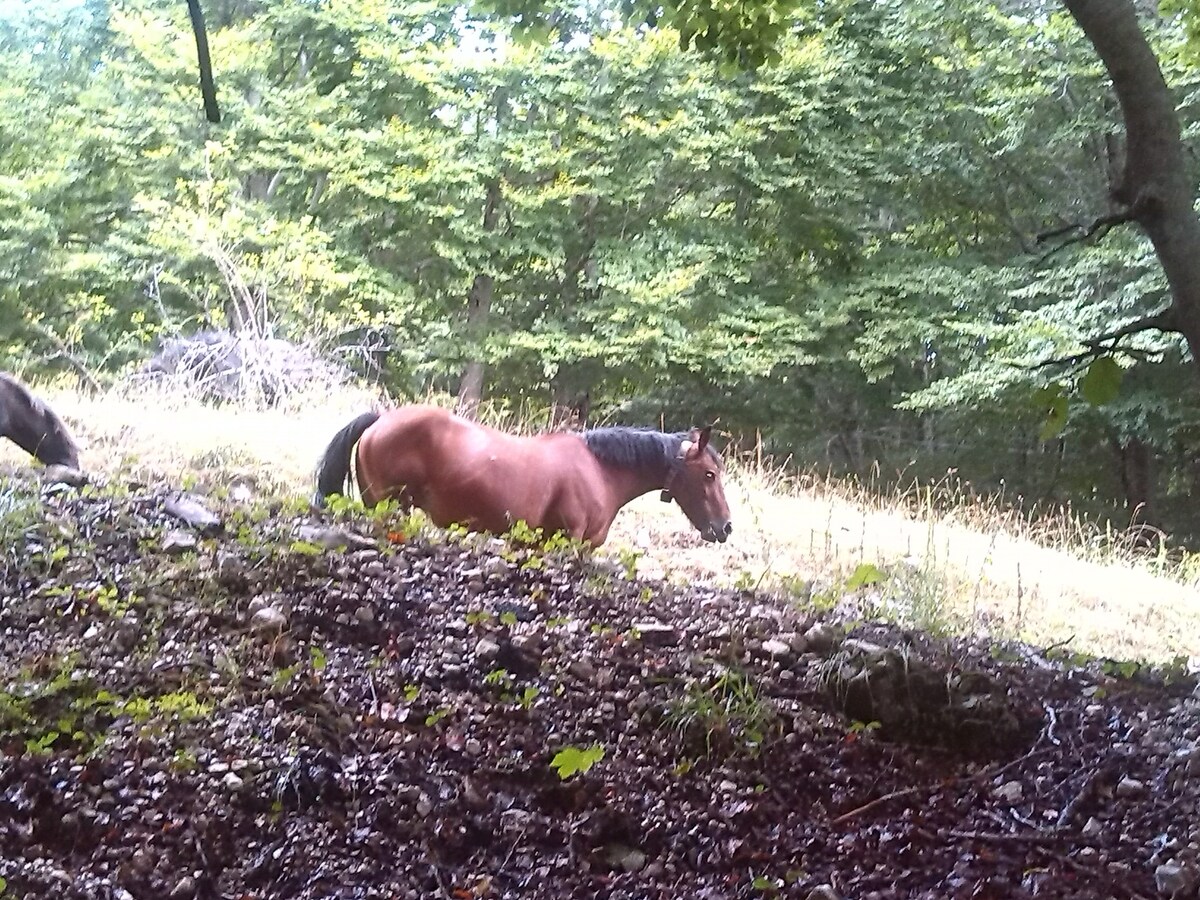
969 568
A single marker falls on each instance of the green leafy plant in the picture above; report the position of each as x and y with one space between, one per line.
571 761
724 712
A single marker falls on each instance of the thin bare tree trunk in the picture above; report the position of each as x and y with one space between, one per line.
479 308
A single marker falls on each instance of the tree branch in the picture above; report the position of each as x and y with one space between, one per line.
1106 343
1099 227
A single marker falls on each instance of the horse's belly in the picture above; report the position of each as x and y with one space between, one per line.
490 494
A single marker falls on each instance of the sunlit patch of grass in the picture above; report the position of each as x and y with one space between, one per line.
971 562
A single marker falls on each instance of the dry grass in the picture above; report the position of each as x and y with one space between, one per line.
975 566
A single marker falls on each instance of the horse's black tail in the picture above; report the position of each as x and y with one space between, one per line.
333 472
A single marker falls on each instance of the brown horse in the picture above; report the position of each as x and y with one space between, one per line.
32 425
462 472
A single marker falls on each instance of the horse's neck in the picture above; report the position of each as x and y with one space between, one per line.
626 483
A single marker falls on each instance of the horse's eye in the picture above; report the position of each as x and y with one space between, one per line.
711 476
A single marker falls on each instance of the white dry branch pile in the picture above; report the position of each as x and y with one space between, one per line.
240 366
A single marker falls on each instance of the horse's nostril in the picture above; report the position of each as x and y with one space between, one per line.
728 528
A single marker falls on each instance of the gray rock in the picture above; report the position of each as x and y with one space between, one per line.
487 649
178 541
1130 787
823 892
191 511
332 537
655 634
268 621
821 638
1010 792
777 649
1174 879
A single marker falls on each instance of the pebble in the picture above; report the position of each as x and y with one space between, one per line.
268 620
178 541
1129 787
487 649
656 634
1010 792
777 648
821 638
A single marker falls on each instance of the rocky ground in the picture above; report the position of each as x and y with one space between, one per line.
201 698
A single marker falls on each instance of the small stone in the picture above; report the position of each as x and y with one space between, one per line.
424 805
628 859
495 568
823 892
656 634
1093 827
268 620
365 614
487 649
582 669
776 649
178 541
233 781
1129 787
528 644
821 638
1010 792
332 538
192 512
184 889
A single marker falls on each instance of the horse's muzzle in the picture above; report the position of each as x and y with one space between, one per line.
717 531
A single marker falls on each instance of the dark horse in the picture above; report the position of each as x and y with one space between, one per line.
462 472
32 425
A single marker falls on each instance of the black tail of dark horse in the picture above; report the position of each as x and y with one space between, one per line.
33 426
333 472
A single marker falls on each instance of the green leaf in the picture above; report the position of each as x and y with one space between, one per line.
866 574
1102 382
317 655
1054 401
571 761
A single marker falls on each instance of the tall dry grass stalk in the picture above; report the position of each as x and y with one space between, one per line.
980 566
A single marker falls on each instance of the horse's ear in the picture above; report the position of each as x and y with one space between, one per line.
702 438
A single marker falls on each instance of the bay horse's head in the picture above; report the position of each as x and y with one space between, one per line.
694 481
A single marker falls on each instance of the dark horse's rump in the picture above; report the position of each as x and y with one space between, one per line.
31 425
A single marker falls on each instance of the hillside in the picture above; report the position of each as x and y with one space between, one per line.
244 707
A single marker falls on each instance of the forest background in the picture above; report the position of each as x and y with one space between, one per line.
860 256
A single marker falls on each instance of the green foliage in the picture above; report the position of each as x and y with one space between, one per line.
571 760
864 575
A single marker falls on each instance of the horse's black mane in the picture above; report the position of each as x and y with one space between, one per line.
633 448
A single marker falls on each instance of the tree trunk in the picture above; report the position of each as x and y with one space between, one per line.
1136 467
479 307
1154 188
